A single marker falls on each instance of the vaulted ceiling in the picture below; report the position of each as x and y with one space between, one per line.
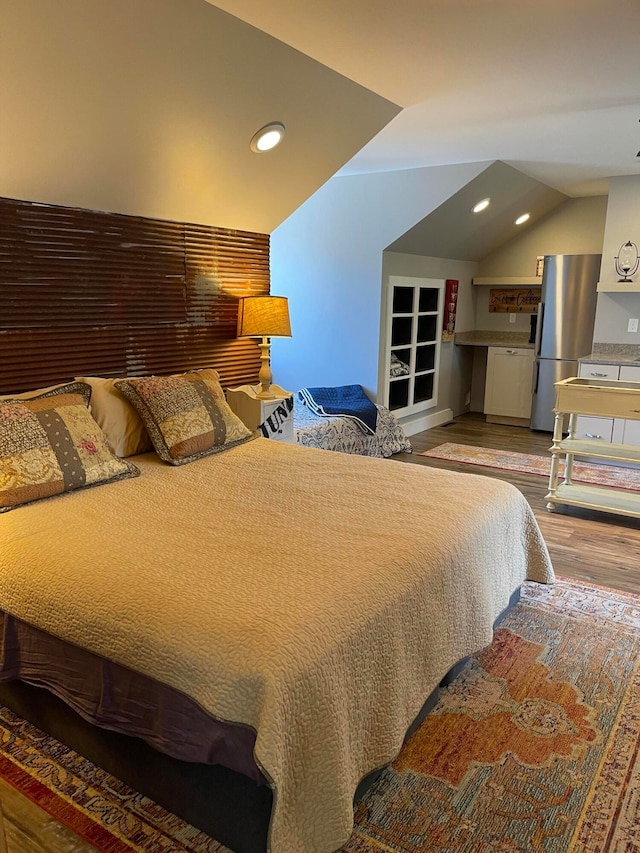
551 87
452 230
147 107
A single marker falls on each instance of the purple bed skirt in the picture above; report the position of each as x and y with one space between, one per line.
116 698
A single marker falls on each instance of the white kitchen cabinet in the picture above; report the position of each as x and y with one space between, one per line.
628 432
507 395
590 428
594 429
599 371
630 372
611 430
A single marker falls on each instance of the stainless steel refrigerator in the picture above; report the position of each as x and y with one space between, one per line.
564 331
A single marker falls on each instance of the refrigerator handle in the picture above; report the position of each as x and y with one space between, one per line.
536 377
539 329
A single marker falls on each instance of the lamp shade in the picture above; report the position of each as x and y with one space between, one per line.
264 316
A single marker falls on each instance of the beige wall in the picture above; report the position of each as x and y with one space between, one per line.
574 228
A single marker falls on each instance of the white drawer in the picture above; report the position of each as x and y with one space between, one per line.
626 432
599 371
630 372
278 419
285 433
594 429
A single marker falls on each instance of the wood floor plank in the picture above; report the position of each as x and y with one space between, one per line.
29 829
587 545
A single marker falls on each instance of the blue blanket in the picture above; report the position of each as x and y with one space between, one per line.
347 401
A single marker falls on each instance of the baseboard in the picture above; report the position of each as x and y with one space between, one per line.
413 424
503 419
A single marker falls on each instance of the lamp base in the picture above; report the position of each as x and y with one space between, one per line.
265 376
265 395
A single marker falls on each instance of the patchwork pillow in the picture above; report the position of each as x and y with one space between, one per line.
50 444
78 386
116 417
186 414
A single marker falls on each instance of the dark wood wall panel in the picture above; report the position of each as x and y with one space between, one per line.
91 293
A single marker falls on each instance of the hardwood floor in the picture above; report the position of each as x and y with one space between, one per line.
590 546
586 545
29 829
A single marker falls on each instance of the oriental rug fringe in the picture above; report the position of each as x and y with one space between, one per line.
615 476
534 747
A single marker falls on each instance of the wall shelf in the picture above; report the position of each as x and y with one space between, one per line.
509 281
618 287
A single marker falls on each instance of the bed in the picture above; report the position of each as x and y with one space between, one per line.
305 602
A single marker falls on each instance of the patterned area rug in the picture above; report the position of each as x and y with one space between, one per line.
598 475
534 747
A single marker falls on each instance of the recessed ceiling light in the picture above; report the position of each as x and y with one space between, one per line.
523 218
267 137
481 205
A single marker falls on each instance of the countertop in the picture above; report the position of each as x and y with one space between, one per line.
602 353
613 354
493 339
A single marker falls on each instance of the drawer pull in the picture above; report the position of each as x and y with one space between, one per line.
512 351
591 435
635 411
601 375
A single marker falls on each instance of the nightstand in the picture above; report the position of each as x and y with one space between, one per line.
274 418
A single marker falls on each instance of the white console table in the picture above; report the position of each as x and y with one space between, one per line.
596 397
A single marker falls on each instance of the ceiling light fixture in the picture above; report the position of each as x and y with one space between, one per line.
267 137
481 205
522 219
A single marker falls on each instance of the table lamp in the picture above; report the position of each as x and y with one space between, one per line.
264 317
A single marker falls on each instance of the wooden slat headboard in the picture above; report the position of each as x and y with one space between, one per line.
90 293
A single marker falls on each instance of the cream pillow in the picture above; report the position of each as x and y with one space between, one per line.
116 417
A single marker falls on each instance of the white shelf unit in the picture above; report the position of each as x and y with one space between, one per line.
601 399
414 308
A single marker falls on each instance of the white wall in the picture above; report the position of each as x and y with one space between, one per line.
623 223
454 382
327 258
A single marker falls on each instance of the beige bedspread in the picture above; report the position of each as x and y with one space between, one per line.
317 597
